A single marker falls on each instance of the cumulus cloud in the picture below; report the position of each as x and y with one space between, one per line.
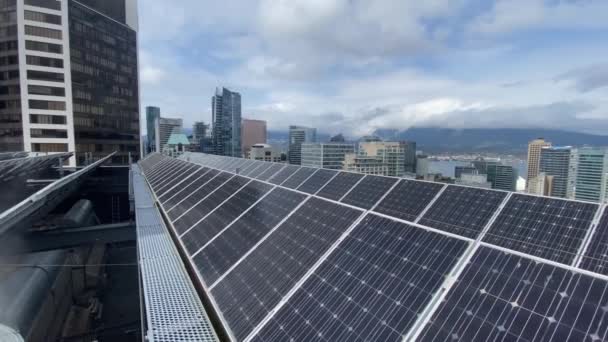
507 16
354 66
588 78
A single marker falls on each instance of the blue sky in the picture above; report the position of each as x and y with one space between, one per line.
354 66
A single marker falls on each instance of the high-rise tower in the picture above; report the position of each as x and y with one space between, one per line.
226 111
70 76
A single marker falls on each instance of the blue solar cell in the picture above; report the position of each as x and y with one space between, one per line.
408 199
194 197
369 191
186 182
260 170
192 188
221 254
463 210
256 285
549 228
596 256
340 185
504 297
298 177
176 178
206 204
317 181
205 230
282 175
371 288
271 171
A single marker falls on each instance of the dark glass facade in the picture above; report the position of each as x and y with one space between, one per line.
114 9
226 116
103 55
152 114
11 127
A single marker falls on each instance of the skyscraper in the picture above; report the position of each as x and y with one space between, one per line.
297 136
226 112
392 154
409 148
252 132
502 177
164 127
199 132
152 114
70 71
588 174
554 163
326 155
534 148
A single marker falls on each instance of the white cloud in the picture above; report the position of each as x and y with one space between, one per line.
507 16
353 66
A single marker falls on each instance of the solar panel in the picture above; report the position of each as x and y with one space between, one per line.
185 183
189 189
317 181
371 288
237 166
243 165
254 167
546 227
463 210
194 197
298 177
408 199
167 169
504 297
199 210
596 256
271 171
278 265
369 191
252 289
282 175
177 178
249 167
257 172
215 259
230 165
158 167
339 185
172 170
199 235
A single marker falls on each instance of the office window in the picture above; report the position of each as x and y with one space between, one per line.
50 4
48 119
8 31
9 60
42 32
10 90
44 76
44 61
47 105
45 90
48 133
44 47
42 17
8 45
49 147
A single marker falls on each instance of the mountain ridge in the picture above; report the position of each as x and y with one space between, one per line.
491 140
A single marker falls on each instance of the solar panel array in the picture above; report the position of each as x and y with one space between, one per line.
289 253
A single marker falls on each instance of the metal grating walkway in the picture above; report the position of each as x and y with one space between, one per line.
174 311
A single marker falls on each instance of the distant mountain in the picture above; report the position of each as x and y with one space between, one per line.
504 140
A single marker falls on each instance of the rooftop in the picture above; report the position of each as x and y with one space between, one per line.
282 252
